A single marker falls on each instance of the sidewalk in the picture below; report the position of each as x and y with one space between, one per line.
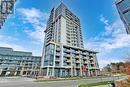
15 79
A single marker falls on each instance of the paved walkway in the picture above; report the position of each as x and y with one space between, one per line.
14 79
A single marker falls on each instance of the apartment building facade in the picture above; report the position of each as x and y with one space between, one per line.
123 7
64 53
17 63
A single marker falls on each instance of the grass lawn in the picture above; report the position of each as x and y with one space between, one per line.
95 84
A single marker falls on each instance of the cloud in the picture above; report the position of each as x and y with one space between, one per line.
38 34
104 20
120 41
33 15
37 19
113 38
116 39
7 38
107 27
8 41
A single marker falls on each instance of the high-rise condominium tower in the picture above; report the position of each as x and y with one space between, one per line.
123 7
63 52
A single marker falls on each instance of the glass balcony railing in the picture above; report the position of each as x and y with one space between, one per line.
58 49
67 55
57 59
77 57
68 60
85 62
66 50
58 54
77 61
77 66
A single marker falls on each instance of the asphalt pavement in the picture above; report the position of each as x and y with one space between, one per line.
28 82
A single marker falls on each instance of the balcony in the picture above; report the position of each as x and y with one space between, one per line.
91 59
58 49
91 55
92 63
77 57
68 61
57 54
85 58
84 53
92 66
67 55
77 66
77 61
57 59
67 51
57 65
76 52
85 62
68 66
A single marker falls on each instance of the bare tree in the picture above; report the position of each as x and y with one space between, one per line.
127 64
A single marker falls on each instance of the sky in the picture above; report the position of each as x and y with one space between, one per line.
103 31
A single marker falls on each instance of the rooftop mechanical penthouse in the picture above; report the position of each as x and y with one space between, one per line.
64 53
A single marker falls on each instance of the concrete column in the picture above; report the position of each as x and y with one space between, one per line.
40 72
71 67
32 69
96 72
23 65
47 71
21 72
15 73
1 71
61 55
88 72
81 74
71 71
75 72
16 70
53 71
54 55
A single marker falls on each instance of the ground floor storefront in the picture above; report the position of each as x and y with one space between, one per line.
69 72
4 72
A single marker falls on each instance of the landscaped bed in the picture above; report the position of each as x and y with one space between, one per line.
95 84
123 83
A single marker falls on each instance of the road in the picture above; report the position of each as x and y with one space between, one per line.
28 82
